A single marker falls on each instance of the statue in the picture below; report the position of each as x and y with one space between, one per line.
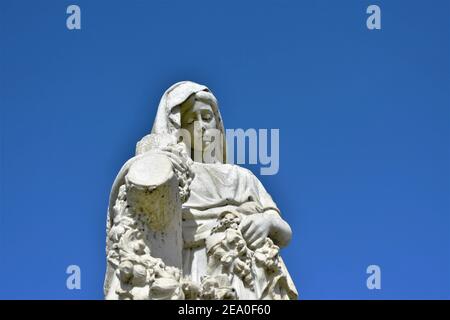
183 224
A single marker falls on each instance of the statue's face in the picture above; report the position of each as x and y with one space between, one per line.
198 119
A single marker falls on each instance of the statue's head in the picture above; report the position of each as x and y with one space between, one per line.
198 120
189 113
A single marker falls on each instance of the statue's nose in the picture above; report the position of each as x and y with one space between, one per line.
201 124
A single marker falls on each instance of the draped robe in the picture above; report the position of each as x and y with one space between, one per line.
216 188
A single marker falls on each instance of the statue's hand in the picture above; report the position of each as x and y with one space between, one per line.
257 227
176 156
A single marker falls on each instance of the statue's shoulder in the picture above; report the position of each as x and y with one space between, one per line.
237 170
241 170
223 168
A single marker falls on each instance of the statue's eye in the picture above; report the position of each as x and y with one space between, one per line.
206 117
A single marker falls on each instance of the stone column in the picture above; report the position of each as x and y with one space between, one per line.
153 195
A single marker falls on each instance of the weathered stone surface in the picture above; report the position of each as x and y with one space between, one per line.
184 229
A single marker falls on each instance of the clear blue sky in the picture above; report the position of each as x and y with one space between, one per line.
364 119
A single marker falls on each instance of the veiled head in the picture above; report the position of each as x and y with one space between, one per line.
189 114
198 119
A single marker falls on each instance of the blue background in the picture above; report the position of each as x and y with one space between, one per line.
364 120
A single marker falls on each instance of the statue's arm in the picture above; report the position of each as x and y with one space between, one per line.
280 231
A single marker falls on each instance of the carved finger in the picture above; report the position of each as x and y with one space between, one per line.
254 237
257 243
245 224
175 161
249 232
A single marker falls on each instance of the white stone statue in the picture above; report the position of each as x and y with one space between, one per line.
183 224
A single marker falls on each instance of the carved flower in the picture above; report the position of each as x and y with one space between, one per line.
126 271
116 232
166 289
139 275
